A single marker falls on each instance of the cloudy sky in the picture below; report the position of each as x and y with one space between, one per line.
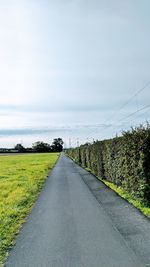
76 69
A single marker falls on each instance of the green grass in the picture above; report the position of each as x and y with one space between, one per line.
135 202
21 179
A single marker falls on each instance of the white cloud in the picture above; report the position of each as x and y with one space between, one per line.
72 62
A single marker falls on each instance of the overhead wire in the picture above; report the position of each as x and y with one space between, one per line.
133 113
124 105
128 101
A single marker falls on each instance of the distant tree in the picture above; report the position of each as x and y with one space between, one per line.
20 148
57 145
41 147
29 149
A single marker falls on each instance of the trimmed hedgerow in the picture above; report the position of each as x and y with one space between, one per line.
124 161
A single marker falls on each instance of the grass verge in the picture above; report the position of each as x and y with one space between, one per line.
21 179
135 202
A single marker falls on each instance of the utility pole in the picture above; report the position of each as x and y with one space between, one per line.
69 142
77 142
64 144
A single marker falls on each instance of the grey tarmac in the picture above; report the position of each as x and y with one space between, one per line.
78 222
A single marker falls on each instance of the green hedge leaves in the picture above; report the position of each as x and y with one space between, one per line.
124 160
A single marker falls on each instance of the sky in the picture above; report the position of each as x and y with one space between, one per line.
79 69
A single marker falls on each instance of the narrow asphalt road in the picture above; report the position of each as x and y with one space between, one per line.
68 227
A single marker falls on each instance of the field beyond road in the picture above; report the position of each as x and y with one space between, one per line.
78 221
21 178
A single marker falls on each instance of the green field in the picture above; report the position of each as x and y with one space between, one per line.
21 179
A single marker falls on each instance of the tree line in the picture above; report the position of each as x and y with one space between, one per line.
39 146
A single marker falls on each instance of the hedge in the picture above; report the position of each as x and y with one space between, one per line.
124 161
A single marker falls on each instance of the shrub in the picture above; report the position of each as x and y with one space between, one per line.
122 160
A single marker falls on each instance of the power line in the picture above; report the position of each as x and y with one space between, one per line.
139 91
126 117
139 115
133 113
127 102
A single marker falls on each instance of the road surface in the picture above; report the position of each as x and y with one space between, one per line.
69 227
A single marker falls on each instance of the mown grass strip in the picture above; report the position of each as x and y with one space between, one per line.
135 202
21 179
